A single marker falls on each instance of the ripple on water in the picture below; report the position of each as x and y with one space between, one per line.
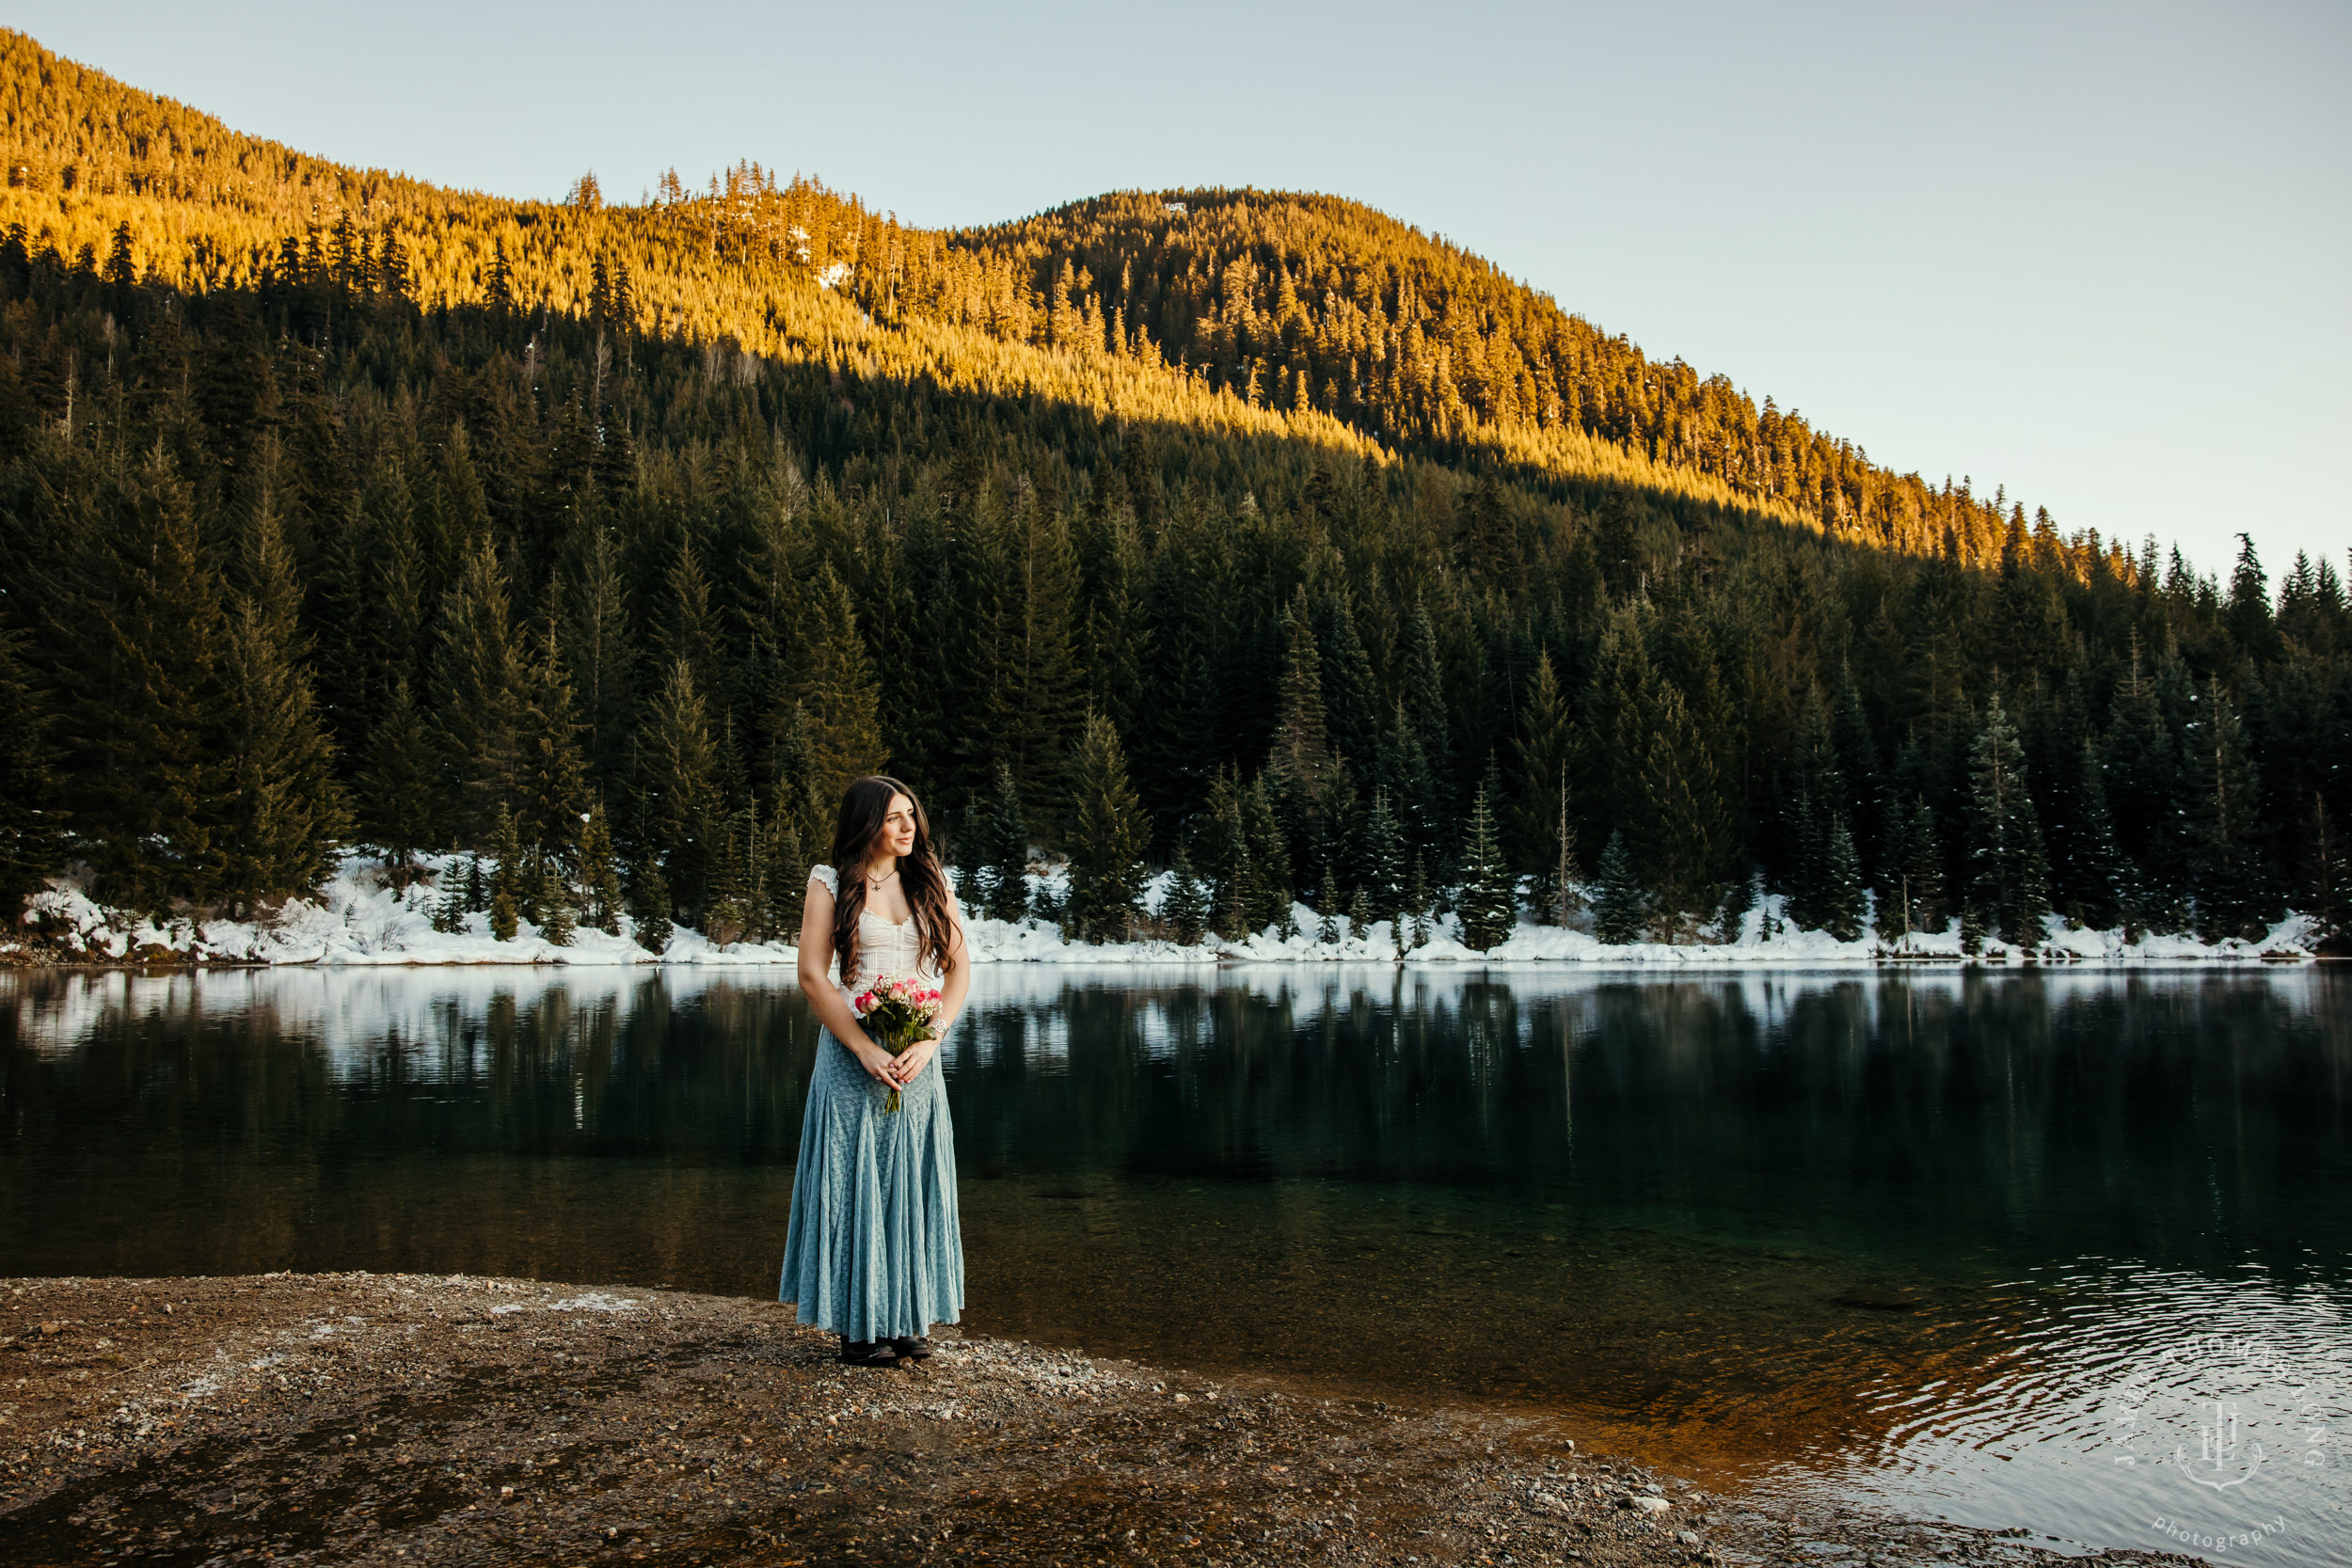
2126 1405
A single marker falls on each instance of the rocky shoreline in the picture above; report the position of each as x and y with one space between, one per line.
399 1419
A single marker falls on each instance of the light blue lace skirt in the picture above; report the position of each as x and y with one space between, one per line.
874 1250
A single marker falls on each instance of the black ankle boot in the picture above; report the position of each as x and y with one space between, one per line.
867 1352
910 1347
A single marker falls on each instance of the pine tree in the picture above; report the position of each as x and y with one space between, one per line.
551 779
2095 862
477 687
1008 850
287 810
1269 900
678 799
2328 892
557 919
1682 831
31 825
1184 906
1418 896
2008 877
506 882
1106 846
1916 868
840 693
2231 880
1545 752
1382 878
1424 689
726 907
649 906
1808 815
1842 904
599 879
1301 767
1620 910
802 813
151 792
1490 900
397 790
597 643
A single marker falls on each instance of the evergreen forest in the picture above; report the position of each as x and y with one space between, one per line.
1252 536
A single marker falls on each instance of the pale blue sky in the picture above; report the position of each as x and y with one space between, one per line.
2097 253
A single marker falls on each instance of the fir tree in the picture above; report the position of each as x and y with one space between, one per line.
802 816
31 836
1843 903
1916 868
1106 847
598 878
287 809
2328 888
2094 872
398 789
1418 897
506 882
1683 834
1382 880
551 779
2230 879
679 803
151 796
1184 906
1301 766
726 907
1424 709
557 919
1545 754
2008 877
1008 850
1620 910
649 906
1490 900
477 687
840 693
597 644
1270 899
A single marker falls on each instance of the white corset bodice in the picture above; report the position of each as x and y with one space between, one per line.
884 946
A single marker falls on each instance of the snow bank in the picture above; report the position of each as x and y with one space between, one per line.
355 919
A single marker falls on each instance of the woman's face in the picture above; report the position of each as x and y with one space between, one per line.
898 828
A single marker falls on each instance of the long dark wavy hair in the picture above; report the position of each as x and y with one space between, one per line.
864 805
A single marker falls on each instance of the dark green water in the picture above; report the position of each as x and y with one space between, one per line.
2013 1249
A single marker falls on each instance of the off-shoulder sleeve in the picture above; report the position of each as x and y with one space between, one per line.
824 877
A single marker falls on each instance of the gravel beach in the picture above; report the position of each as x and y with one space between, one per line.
359 1418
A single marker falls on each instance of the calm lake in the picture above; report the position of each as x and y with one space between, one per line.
2069 1252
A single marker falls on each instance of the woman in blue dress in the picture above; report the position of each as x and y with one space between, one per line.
874 1251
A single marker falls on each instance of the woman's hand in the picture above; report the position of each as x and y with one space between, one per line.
878 1063
909 1063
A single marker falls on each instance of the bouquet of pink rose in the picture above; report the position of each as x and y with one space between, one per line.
896 1010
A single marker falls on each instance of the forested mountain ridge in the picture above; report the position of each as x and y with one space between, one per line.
1301 316
1301 302
300 547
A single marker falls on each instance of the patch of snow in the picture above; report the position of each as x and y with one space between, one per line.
358 920
832 275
